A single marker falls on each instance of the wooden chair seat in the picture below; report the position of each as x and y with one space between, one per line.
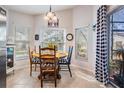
50 72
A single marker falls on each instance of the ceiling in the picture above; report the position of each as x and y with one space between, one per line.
119 15
37 9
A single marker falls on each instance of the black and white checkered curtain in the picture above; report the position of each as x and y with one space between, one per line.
102 45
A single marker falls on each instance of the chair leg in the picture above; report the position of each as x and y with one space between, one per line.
58 76
69 70
31 70
55 81
59 67
41 81
55 84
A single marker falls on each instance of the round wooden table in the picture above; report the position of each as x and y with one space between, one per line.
59 54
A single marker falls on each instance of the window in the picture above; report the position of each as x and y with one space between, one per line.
81 43
2 30
53 37
22 42
116 47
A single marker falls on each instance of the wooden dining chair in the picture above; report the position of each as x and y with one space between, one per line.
64 63
48 65
33 61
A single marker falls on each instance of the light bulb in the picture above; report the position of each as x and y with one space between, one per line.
46 18
50 21
50 14
54 18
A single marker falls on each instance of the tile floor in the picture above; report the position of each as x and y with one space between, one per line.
22 79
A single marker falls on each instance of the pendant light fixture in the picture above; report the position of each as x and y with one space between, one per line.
52 19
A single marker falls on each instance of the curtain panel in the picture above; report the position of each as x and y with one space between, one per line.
102 45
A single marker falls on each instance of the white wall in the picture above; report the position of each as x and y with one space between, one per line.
70 19
82 17
65 21
95 8
19 19
39 25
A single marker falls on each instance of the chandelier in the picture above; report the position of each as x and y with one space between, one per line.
52 19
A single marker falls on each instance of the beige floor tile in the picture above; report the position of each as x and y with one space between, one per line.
22 79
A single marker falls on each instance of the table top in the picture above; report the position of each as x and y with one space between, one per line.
59 54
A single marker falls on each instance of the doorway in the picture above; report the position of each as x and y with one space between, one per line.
116 47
